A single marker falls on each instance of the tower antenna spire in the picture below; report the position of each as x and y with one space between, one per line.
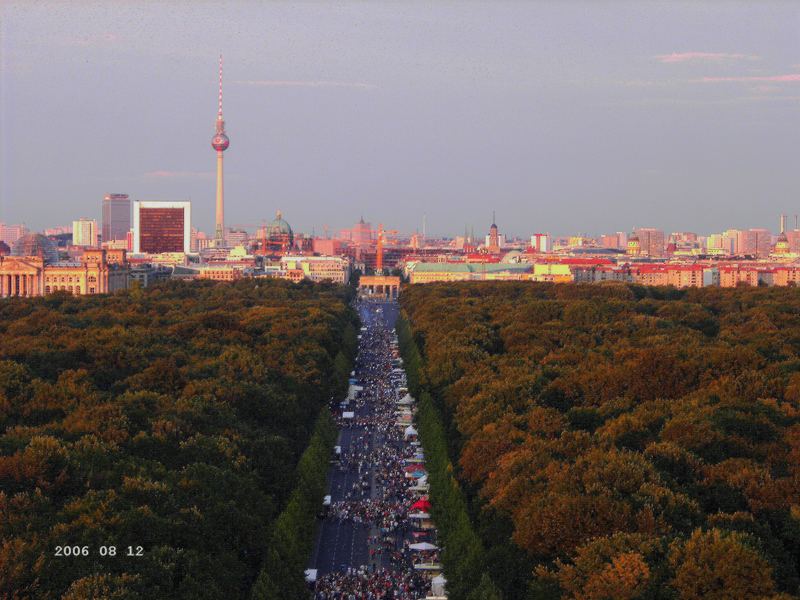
219 114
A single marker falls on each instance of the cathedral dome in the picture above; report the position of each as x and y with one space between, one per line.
280 230
35 244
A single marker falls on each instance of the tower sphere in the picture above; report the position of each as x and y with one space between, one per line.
220 142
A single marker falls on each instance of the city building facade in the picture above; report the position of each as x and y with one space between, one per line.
116 217
160 226
98 271
84 232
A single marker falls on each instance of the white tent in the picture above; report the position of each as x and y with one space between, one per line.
419 515
311 575
410 431
422 546
407 399
348 414
437 585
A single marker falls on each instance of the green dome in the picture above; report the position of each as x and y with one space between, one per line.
280 229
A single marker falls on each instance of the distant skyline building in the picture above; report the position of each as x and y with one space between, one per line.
651 241
493 239
633 246
84 232
540 242
59 230
755 242
11 233
160 226
361 233
220 143
279 234
116 216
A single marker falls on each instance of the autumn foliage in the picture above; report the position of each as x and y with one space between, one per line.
171 418
639 442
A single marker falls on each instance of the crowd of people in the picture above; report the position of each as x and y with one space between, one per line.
378 495
367 584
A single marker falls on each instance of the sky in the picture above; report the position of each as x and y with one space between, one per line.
565 117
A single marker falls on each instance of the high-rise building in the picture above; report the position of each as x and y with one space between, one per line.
755 242
84 232
116 216
721 244
220 143
614 240
11 233
162 227
237 237
731 241
651 241
540 242
794 240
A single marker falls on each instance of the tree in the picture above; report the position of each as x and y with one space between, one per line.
717 565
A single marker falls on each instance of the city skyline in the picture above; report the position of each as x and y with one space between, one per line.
687 128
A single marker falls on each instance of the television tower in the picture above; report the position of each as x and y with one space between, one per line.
220 143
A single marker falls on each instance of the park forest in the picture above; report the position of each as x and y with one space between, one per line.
185 424
615 441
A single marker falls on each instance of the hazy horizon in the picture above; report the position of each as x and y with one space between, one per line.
563 117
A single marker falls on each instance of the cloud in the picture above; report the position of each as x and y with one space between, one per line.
787 78
683 57
164 174
306 83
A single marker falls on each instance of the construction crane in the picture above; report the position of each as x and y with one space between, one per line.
262 227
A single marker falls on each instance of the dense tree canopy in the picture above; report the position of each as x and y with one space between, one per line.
634 440
170 418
